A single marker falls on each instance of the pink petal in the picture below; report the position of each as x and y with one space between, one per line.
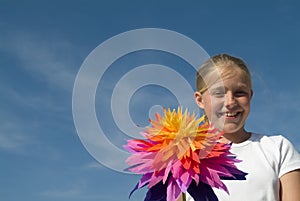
173 190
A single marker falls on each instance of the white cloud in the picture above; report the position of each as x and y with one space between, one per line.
58 193
11 138
48 60
21 118
93 165
276 113
75 192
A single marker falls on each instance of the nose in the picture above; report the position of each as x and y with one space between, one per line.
230 100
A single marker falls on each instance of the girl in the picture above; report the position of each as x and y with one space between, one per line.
273 165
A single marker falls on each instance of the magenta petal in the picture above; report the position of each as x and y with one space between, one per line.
173 190
210 178
167 171
144 180
176 169
184 181
156 177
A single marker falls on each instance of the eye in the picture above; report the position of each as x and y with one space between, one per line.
241 93
218 93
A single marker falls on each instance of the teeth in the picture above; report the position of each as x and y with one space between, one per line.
230 114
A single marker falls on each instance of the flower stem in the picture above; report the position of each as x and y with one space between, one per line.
183 197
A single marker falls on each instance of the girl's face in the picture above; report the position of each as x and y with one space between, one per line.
227 103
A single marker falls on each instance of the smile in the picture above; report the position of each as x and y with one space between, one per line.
230 114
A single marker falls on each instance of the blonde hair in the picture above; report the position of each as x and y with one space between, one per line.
219 67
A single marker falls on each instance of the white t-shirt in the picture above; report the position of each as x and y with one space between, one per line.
265 159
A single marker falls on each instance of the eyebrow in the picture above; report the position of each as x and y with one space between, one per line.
242 86
239 86
217 88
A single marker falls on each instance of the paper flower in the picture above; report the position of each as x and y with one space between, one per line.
181 153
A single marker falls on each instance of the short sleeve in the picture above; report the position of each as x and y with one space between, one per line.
289 157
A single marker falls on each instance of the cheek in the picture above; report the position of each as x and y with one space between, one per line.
213 106
245 102
217 103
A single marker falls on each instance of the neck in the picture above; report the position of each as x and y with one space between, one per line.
237 137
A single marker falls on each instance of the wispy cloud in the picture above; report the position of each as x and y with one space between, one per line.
58 193
12 138
10 141
276 112
51 62
74 192
48 60
93 165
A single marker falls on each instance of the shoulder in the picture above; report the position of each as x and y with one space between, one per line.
282 150
279 141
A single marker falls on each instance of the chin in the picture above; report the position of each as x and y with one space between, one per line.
231 129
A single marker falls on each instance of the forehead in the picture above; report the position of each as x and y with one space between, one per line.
235 79
228 73
230 84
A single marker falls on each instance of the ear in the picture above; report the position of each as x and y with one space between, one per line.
199 99
251 94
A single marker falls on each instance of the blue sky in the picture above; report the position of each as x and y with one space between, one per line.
43 45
